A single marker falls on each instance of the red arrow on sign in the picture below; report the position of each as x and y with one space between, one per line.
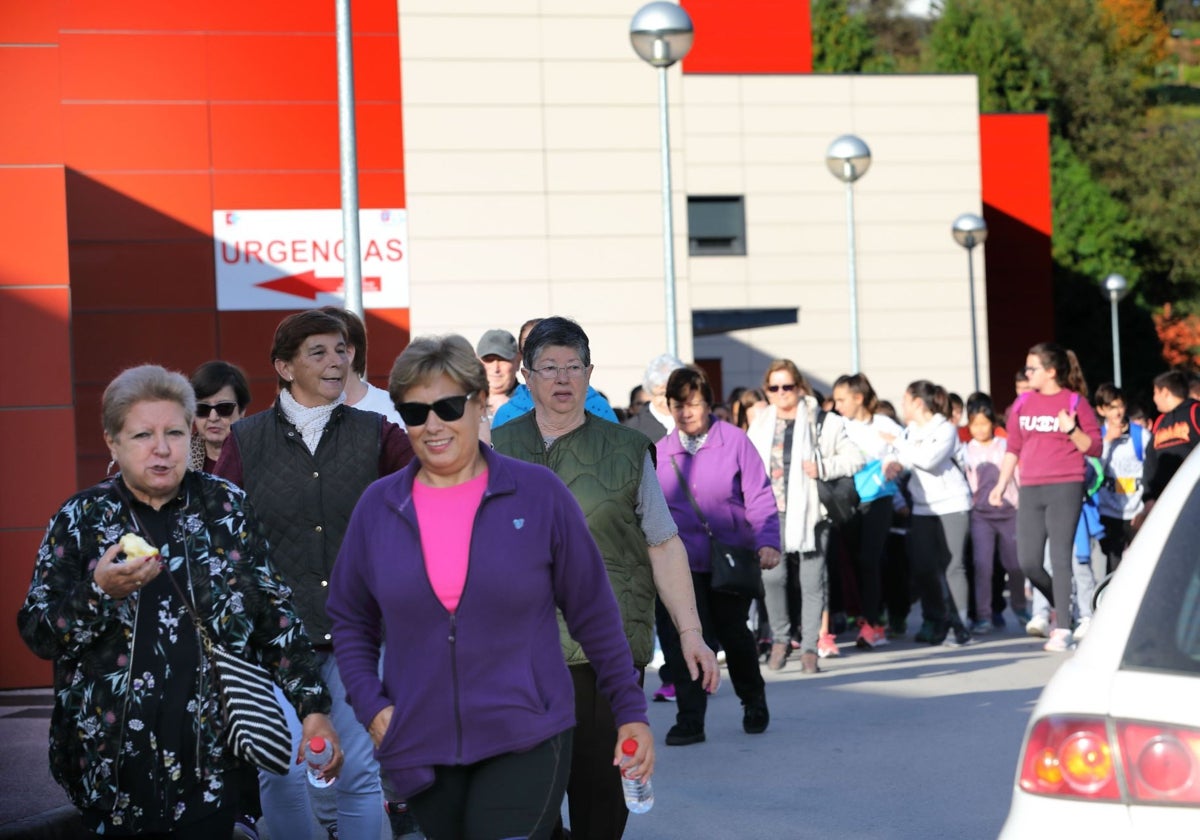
307 284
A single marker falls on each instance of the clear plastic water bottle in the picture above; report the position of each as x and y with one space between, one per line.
318 755
639 796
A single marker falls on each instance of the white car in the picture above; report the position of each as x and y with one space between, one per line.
1113 746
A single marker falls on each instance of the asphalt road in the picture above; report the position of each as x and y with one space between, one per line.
907 741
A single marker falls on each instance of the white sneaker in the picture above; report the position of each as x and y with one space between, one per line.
1082 628
1038 626
1059 641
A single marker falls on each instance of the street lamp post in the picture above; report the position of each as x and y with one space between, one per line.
849 158
661 34
970 230
1115 285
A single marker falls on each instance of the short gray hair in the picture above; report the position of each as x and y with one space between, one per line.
659 371
556 332
145 383
429 356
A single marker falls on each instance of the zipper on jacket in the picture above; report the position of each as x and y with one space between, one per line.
458 730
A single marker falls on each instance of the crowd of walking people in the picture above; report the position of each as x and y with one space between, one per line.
459 583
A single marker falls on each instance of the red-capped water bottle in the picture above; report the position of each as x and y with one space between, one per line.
639 796
318 756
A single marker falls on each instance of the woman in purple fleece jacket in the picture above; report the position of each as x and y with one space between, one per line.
720 467
460 561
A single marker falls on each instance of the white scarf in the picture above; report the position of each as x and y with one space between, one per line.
309 422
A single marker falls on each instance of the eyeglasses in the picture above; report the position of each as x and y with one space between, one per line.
447 408
223 409
552 371
777 388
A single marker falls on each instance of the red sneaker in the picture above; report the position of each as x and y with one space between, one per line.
871 636
827 646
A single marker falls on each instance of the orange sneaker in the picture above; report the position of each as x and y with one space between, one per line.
871 636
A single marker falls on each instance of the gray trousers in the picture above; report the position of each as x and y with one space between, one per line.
813 578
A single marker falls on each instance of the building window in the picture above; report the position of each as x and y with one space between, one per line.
716 225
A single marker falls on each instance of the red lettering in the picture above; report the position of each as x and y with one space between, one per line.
395 254
373 252
321 251
299 251
253 251
339 251
237 253
276 251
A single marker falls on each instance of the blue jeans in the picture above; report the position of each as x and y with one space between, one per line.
354 801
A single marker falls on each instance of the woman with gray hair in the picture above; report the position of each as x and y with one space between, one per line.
657 421
137 736
610 471
460 561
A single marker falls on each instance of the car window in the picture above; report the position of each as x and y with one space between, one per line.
1166 633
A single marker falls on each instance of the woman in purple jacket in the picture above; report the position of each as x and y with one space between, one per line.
459 561
730 486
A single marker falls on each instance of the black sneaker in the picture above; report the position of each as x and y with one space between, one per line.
683 734
957 636
927 632
755 718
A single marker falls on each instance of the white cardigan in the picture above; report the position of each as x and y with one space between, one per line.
839 457
938 485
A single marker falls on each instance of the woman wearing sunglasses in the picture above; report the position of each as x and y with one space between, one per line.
303 464
797 446
460 561
222 395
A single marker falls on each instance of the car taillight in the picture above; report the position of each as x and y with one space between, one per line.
1161 763
1069 756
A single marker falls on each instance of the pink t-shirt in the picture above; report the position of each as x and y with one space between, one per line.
446 516
1047 455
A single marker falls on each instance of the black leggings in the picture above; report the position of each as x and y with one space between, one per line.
866 540
1047 515
506 796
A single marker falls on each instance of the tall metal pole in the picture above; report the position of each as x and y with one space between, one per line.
1116 340
668 214
348 144
974 333
849 170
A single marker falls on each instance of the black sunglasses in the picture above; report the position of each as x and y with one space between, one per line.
447 408
774 389
223 409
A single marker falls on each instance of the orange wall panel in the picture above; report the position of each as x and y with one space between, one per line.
731 37
19 668
282 67
133 206
298 16
35 447
37 322
29 23
29 101
108 342
1015 150
132 15
33 231
122 67
275 136
136 136
129 275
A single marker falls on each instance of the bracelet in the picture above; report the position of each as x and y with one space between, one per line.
690 630
1073 429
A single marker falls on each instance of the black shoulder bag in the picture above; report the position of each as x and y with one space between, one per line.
838 495
735 570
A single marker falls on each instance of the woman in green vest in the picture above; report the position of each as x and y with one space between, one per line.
610 471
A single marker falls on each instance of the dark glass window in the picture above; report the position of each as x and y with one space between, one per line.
716 225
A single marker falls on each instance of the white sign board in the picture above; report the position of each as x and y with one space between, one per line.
293 259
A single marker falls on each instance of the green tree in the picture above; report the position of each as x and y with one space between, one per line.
984 37
841 41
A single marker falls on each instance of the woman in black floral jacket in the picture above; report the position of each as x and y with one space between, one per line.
136 737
